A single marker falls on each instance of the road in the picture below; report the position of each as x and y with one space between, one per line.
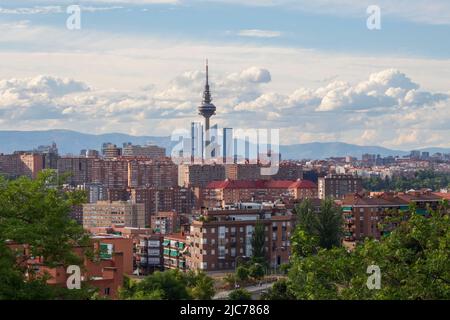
254 290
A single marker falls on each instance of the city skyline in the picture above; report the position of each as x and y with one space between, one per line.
381 87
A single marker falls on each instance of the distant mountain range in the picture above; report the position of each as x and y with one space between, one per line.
72 142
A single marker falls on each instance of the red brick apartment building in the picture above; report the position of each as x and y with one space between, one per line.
220 237
104 272
27 164
156 199
79 169
222 193
146 247
363 214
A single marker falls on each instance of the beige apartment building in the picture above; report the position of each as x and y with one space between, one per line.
109 213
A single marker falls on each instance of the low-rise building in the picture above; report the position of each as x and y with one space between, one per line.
366 216
176 251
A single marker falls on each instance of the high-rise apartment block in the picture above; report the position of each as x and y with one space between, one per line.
107 213
147 151
197 175
156 173
178 199
78 170
111 151
337 186
21 163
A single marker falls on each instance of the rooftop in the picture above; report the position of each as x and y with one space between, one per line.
262 184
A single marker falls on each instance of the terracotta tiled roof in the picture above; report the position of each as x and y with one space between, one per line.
261 184
361 200
442 195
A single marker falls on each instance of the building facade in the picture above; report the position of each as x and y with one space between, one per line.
221 237
107 213
337 186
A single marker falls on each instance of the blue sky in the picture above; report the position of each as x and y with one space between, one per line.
136 66
222 21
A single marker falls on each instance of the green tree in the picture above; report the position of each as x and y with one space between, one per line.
35 213
240 294
242 273
169 285
258 243
279 291
203 287
413 260
317 229
429 178
256 271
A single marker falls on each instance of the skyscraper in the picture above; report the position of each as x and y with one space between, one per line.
207 109
228 145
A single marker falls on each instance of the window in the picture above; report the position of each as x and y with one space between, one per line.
107 291
221 232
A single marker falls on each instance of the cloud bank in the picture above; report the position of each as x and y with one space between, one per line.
388 107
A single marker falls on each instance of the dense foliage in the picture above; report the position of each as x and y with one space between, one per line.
240 294
35 213
169 285
315 230
258 242
429 179
414 262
